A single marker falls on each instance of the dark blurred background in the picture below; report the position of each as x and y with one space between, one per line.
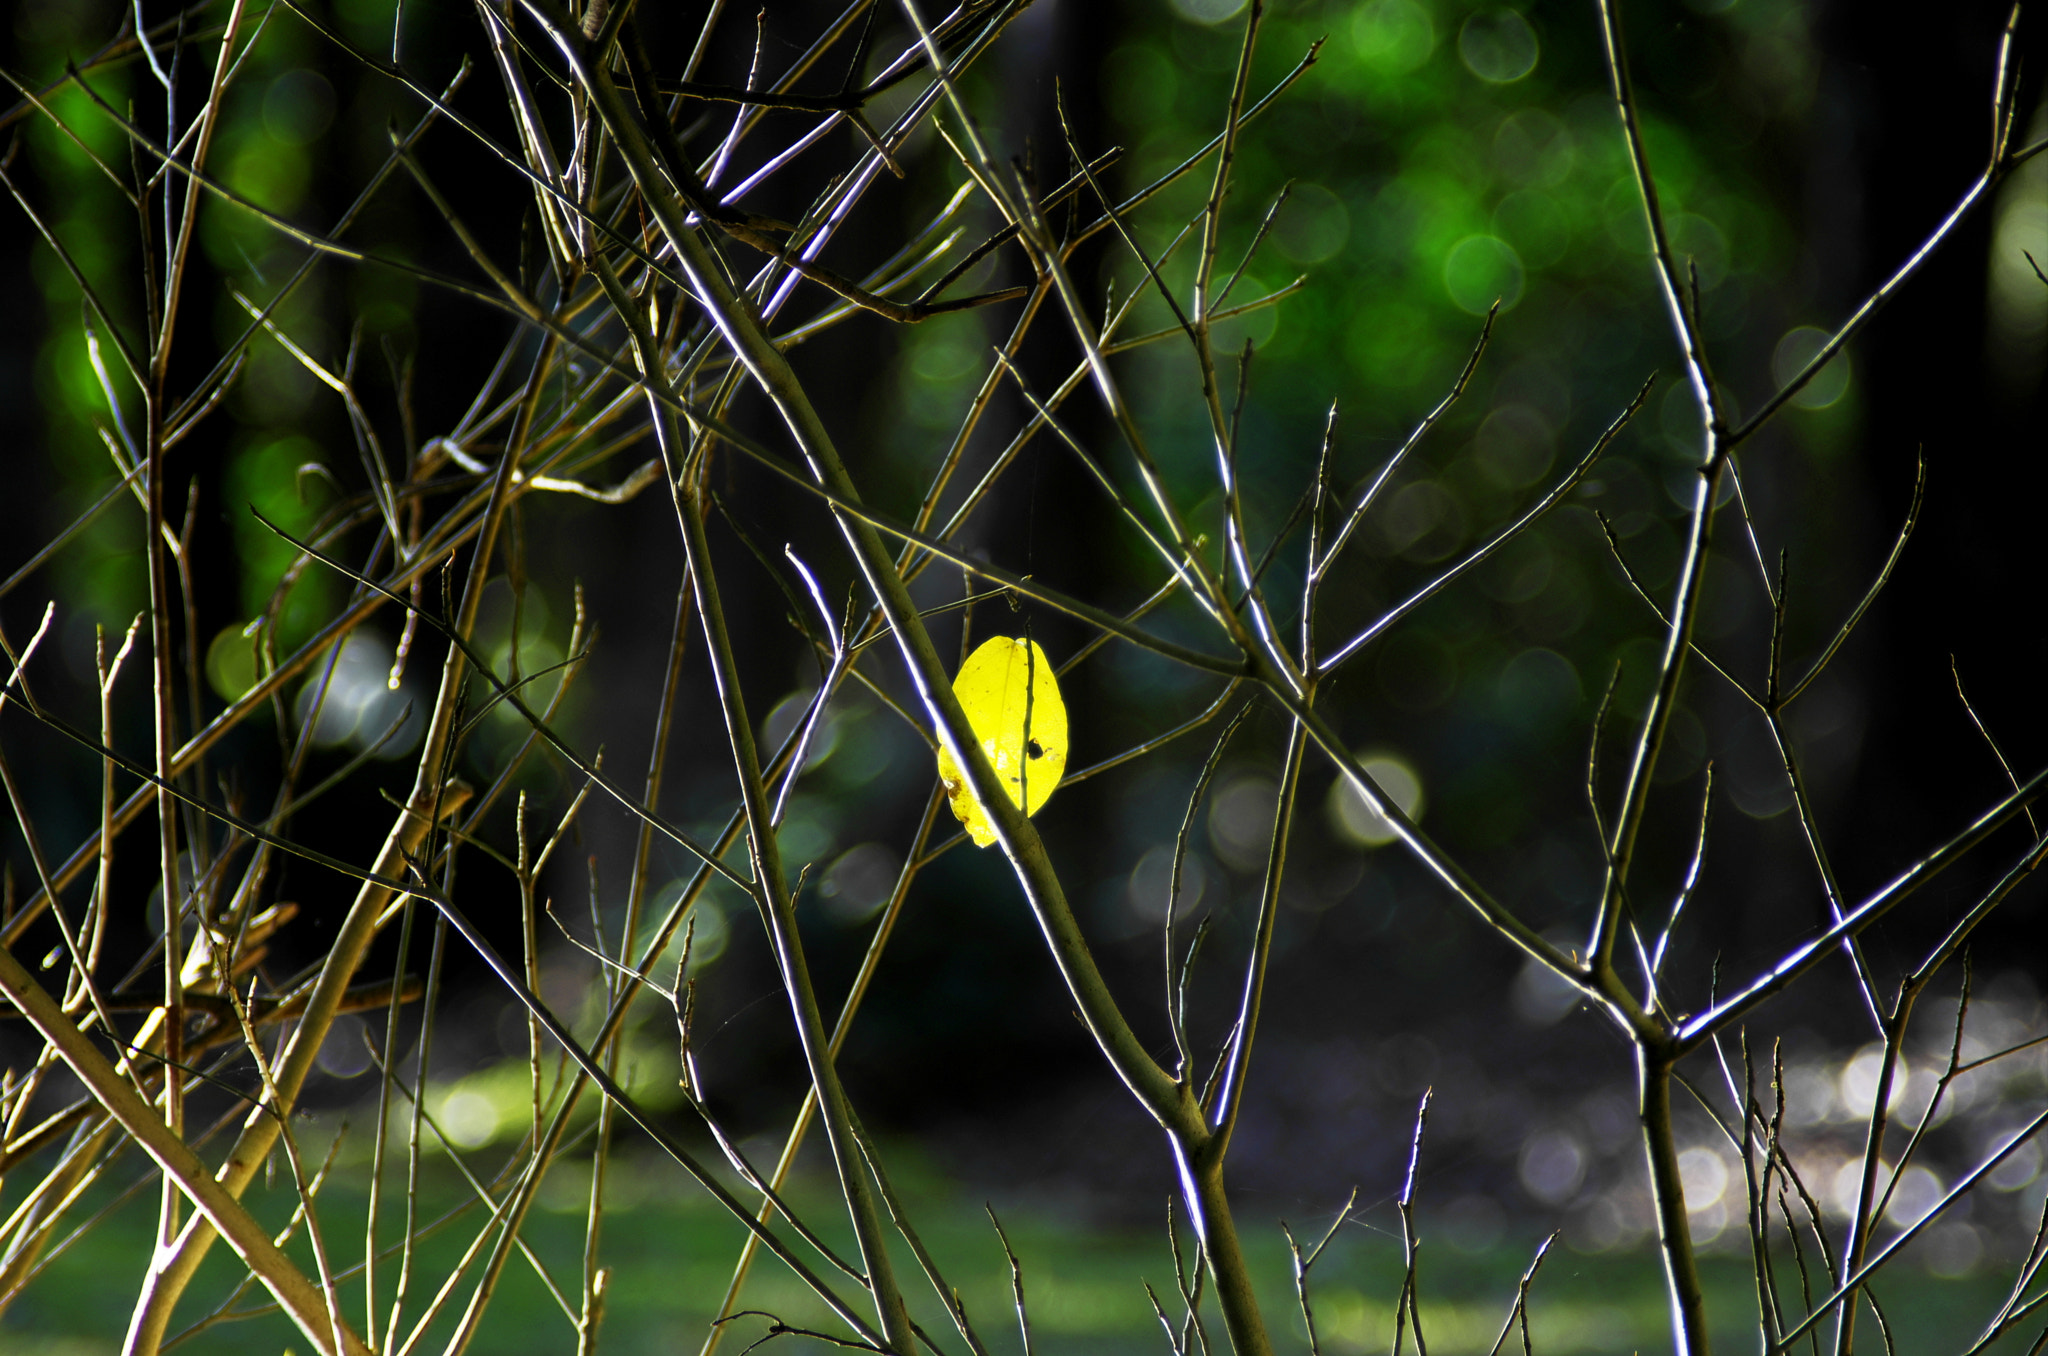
1441 155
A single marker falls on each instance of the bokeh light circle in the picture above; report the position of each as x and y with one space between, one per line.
1313 225
1207 11
1794 352
1393 36
1481 269
1498 46
1359 822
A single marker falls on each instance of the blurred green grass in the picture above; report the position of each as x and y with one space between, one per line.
670 1249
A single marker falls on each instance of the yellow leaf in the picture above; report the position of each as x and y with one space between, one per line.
1013 702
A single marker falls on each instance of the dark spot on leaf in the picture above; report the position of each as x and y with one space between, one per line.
1036 751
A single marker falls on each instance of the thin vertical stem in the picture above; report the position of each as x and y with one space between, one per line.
1231 1095
629 930
1692 575
1862 1218
1667 1190
793 1142
771 884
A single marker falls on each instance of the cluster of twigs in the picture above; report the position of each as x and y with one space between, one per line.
660 301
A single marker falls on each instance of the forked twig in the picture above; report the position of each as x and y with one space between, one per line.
1518 1316
1303 1261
